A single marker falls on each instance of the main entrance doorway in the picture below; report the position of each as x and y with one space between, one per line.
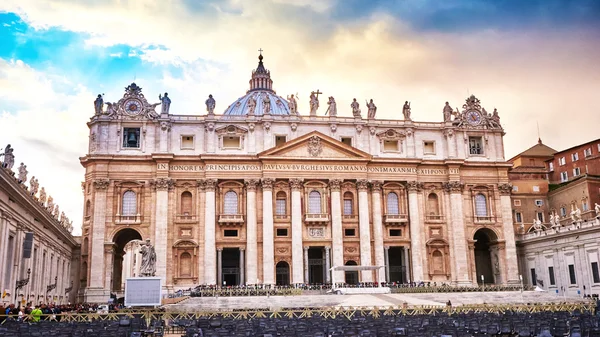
485 239
397 270
316 265
230 269
282 273
351 276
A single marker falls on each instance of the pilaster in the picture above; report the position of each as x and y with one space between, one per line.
268 246
336 227
459 240
210 267
96 292
416 241
297 265
509 234
251 232
364 229
162 187
380 256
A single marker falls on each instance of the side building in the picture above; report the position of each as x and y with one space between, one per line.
39 257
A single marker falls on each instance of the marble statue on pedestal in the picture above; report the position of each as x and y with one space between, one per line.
251 105
292 104
148 265
98 105
372 109
266 105
576 214
22 173
50 205
33 185
355 108
447 112
314 102
9 157
166 103
332 109
537 225
406 111
43 196
210 104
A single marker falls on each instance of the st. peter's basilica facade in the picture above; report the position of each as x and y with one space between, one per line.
267 194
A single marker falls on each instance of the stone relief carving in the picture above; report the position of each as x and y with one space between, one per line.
293 126
101 184
316 232
93 142
165 126
475 116
210 126
391 134
133 105
282 250
267 126
359 128
314 146
350 250
201 185
372 130
333 128
251 127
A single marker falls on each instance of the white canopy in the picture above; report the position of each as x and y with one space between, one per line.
355 268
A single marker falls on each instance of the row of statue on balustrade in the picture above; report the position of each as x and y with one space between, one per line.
555 219
48 204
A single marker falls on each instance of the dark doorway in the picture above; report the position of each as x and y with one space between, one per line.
120 239
483 258
231 266
282 273
316 263
351 276
396 266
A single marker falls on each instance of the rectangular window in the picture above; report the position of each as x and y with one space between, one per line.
349 232
540 216
575 156
533 277
595 273
280 206
564 176
347 206
562 161
347 140
539 203
230 233
572 278
395 232
131 138
390 145
428 147
584 206
587 152
518 217
551 276
550 166
536 188
563 212
475 145
517 203
282 232
576 171
231 142
187 142
515 188
279 140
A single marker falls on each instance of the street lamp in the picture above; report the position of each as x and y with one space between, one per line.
22 283
521 279
483 282
51 287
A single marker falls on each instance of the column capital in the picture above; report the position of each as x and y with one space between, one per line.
210 184
306 248
101 184
296 183
242 249
251 184
414 186
454 186
163 184
201 185
387 247
220 249
505 189
267 183
376 186
362 184
327 247
335 184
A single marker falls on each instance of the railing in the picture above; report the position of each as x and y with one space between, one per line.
568 228
231 218
410 288
484 219
281 217
128 219
316 217
434 218
350 216
186 218
396 218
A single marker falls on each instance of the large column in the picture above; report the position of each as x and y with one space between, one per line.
306 265
210 267
219 266
96 292
200 213
268 249
297 265
162 186
459 239
109 254
407 259
364 229
243 278
512 268
327 265
336 227
387 263
415 230
378 231
251 232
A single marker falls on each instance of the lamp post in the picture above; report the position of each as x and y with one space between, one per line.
22 283
521 279
483 282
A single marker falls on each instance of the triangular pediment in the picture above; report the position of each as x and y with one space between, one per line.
314 145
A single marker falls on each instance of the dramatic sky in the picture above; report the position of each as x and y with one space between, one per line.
536 61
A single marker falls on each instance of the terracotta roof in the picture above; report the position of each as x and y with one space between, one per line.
538 150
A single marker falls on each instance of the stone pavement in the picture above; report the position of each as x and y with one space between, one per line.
365 300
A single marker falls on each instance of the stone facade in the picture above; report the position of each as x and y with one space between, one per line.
265 194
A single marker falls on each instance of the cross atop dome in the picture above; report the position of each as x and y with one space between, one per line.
261 77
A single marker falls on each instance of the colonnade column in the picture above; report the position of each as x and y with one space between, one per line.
336 228
297 265
219 266
415 230
162 186
380 257
97 267
457 228
327 265
251 232
306 265
512 269
364 229
407 260
387 263
268 249
243 270
210 267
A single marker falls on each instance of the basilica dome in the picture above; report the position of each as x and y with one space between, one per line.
261 94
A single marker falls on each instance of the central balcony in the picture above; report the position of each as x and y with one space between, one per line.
231 219
396 219
128 219
316 218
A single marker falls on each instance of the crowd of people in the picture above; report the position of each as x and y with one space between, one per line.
35 313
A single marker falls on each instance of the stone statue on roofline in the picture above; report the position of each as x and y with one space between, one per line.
314 102
22 173
406 111
148 264
332 109
98 105
355 108
56 212
537 225
575 214
43 196
210 105
166 103
50 205
266 104
597 209
371 109
447 112
33 186
9 157
293 104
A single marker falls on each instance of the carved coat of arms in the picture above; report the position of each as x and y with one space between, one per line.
314 146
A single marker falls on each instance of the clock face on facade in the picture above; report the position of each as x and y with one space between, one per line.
473 117
132 107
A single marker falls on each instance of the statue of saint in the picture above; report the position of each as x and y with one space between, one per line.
314 102
372 109
575 214
292 104
210 105
148 265
597 209
251 105
56 211
447 112
166 103
43 196
22 173
9 157
406 111
332 109
98 105
355 108
62 217
33 186
537 225
266 104
50 205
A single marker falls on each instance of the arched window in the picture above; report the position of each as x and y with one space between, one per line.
186 203
88 208
392 203
314 202
481 205
348 203
231 203
129 203
185 265
433 206
281 203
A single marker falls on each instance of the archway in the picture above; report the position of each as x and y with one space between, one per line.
485 240
120 240
282 273
351 276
